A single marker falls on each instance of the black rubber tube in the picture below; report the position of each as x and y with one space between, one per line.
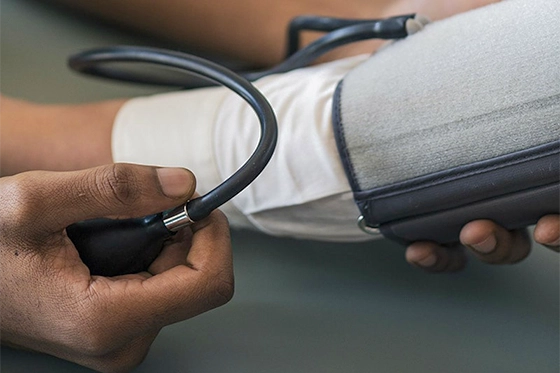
94 62
340 32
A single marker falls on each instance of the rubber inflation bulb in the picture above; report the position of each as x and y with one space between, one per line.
112 247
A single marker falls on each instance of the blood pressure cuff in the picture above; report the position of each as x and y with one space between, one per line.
458 122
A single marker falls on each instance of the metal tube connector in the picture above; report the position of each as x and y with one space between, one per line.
177 218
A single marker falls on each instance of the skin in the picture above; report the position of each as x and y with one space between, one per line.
51 303
225 27
54 137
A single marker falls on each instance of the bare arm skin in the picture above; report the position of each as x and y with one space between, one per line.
54 137
253 31
247 30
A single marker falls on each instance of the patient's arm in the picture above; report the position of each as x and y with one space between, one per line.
253 31
54 137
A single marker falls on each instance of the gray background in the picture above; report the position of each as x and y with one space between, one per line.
304 306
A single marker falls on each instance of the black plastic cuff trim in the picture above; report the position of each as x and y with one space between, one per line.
462 185
513 211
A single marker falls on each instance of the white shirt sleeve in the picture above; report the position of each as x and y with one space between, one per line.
303 192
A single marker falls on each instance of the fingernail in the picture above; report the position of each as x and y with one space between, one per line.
175 182
486 246
428 261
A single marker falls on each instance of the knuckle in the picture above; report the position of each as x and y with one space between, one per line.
221 218
119 183
221 288
20 202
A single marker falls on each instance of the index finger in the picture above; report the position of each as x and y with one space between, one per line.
203 282
214 229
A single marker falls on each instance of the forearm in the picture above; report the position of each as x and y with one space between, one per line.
250 30
54 137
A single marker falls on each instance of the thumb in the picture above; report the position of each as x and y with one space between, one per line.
117 190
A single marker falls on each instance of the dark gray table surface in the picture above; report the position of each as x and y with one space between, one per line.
303 306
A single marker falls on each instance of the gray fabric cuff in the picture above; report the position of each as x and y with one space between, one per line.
446 120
